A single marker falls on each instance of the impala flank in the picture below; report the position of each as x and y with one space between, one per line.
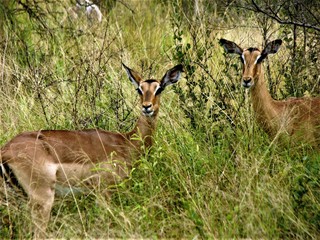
42 160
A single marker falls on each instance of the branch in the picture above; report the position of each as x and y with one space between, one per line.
275 17
32 14
126 5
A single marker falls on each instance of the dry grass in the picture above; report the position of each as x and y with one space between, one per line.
219 177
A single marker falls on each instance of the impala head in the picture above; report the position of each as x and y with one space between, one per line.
150 90
251 58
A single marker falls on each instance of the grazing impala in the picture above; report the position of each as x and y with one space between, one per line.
42 160
298 118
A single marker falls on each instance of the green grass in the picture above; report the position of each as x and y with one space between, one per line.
204 177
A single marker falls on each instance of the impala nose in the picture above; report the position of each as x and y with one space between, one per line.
147 109
247 82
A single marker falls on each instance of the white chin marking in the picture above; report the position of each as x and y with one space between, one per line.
247 85
149 114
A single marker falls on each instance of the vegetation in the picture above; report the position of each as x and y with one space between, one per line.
212 172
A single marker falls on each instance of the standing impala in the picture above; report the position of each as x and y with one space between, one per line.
298 118
42 160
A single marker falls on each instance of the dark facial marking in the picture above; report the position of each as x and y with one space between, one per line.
139 91
150 80
252 49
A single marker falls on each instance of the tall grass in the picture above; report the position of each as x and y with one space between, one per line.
212 172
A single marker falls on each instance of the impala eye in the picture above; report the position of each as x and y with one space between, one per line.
139 91
159 90
260 58
241 59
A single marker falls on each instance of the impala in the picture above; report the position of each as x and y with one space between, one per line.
83 8
40 161
90 9
298 118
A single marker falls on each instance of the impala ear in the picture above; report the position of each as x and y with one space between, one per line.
271 48
134 77
172 76
230 47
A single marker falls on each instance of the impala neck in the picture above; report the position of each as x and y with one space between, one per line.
263 104
259 92
143 130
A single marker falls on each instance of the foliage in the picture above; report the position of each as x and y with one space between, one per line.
212 172
299 28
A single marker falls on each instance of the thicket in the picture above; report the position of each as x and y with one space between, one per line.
212 173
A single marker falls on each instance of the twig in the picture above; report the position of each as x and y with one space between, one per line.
280 20
126 5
